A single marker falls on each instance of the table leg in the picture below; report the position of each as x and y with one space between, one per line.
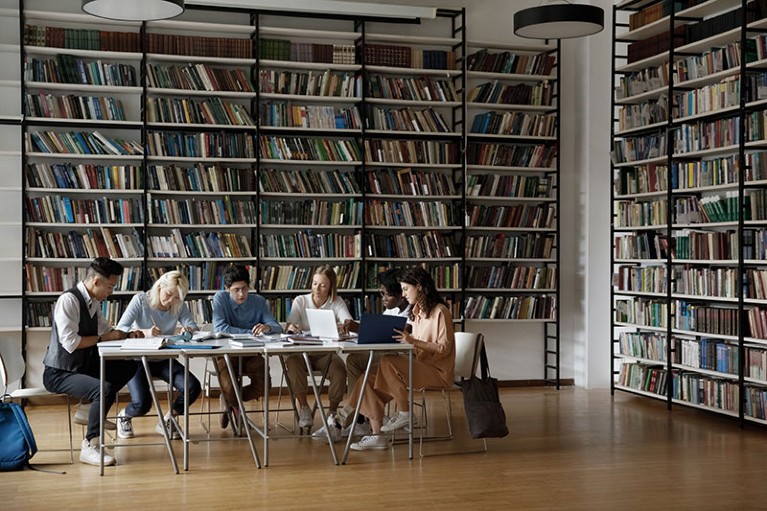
266 409
101 416
318 401
186 413
160 416
357 407
243 412
410 404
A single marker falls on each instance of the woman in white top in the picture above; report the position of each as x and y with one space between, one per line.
323 296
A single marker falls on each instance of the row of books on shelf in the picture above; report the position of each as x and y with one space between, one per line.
656 11
508 186
497 92
426 120
511 246
411 151
508 62
202 145
198 245
515 123
86 176
79 142
198 76
326 117
511 307
424 245
306 244
642 279
711 354
702 135
91 243
639 214
512 155
197 111
420 213
512 277
62 209
644 80
411 88
407 181
81 39
325 83
300 277
282 49
311 212
639 115
74 70
316 149
196 45
59 279
539 216
405 56
73 107
224 211
280 306
205 276
211 177
305 181
714 60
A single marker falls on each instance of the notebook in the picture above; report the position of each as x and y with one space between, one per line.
379 328
323 327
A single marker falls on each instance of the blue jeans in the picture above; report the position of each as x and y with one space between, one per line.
141 398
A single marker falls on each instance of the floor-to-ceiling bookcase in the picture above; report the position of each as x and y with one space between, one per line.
688 216
287 142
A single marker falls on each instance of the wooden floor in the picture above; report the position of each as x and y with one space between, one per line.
569 449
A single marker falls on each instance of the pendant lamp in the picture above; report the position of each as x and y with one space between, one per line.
134 10
559 20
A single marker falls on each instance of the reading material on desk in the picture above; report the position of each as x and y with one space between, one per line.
246 342
144 343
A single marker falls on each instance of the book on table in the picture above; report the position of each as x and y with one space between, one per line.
144 343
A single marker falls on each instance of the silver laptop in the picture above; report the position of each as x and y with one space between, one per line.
323 326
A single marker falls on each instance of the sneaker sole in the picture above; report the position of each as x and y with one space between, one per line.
96 463
376 448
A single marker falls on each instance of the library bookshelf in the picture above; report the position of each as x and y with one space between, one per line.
688 215
230 135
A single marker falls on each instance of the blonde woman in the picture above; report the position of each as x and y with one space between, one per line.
324 295
158 312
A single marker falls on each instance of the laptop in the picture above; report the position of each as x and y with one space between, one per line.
323 327
379 328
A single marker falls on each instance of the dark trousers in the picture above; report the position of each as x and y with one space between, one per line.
141 398
86 387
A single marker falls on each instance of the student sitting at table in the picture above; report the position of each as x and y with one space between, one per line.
157 312
236 311
394 305
72 360
323 296
434 344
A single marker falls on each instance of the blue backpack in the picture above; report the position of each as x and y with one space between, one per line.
17 444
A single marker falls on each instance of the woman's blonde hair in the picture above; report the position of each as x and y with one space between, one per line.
330 274
172 279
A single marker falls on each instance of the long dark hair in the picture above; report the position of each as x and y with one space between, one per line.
417 276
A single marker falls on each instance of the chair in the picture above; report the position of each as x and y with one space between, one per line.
12 368
467 348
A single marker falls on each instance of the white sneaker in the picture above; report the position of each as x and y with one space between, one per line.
90 454
124 425
333 426
169 427
371 442
305 417
81 417
399 421
363 429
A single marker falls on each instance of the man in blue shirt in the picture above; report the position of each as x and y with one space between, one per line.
236 311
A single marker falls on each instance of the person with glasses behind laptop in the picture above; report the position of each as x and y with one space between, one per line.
72 360
237 311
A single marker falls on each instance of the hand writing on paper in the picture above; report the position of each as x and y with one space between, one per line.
135 334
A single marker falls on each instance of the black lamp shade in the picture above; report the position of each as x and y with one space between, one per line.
134 10
559 21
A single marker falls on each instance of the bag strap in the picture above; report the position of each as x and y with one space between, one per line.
21 418
485 367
